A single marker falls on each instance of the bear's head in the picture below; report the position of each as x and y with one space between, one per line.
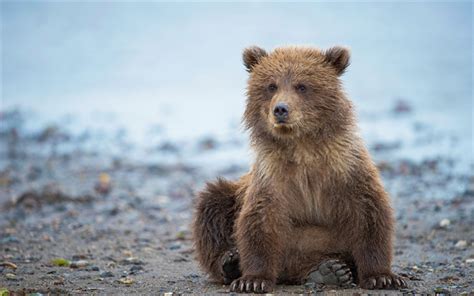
296 92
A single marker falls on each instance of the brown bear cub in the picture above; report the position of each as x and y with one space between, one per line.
312 207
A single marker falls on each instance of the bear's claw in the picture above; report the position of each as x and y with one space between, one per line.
251 284
384 281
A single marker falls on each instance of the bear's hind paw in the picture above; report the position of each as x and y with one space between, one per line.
332 272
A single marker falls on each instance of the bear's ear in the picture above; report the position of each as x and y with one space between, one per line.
339 58
252 56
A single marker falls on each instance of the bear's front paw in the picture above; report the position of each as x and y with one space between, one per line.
252 284
384 281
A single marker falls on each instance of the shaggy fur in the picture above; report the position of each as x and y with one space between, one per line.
313 192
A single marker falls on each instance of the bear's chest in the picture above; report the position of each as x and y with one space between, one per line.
304 197
300 185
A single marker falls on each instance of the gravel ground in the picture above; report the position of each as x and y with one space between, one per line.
121 226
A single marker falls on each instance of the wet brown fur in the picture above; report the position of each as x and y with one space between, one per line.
313 191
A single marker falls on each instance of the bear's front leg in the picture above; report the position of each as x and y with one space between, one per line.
370 234
374 270
260 234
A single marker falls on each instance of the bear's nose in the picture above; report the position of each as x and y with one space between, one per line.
281 111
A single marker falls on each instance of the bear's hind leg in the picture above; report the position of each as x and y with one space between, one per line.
216 210
315 255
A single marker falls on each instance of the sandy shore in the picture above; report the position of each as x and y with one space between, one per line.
122 225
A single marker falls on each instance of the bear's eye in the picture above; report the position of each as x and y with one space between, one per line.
272 87
300 88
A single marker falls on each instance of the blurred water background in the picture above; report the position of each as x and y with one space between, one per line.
170 74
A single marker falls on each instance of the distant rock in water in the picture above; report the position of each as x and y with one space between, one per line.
402 106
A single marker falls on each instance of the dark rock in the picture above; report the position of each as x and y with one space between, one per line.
131 260
9 239
207 144
402 106
93 268
181 259
175 247
135 268
106 274
78 257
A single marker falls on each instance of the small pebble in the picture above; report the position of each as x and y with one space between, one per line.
10 276
132 260
461 244
103 186
128 253
470 261
79 264
441 290
445 223
59 281
126 281
79 257
9 265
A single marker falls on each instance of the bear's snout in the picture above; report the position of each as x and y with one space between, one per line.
281 111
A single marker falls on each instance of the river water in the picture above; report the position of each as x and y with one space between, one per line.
163 72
